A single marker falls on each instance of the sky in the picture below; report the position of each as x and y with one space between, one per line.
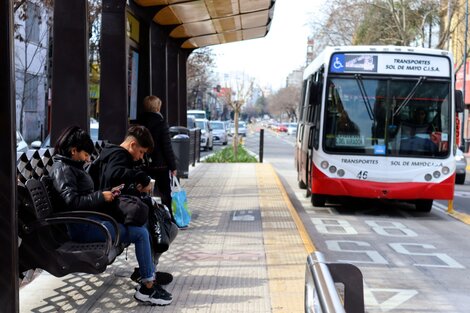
270 59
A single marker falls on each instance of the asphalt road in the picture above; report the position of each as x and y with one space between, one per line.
411 262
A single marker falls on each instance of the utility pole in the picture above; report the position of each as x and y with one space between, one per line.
464 75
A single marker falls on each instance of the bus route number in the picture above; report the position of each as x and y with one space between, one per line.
362 175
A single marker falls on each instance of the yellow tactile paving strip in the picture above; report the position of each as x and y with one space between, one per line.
286 243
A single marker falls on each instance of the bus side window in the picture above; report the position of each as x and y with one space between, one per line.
302 102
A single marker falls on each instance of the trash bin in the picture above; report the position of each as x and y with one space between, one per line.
180 145
176 130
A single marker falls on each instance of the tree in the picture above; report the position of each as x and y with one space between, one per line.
425 23
338 25
285 101
199 76
235 97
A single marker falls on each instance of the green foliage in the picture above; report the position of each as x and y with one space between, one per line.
226 156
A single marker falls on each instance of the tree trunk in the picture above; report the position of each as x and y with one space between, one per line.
235 136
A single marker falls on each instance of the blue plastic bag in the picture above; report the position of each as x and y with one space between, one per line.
179 204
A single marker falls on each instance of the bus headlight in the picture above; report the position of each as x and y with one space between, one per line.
445 170
436 174
332 169
340 173
324 164
427 177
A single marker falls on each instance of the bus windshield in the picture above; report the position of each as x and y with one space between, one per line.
384 116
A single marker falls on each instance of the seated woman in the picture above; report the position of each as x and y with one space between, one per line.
76 190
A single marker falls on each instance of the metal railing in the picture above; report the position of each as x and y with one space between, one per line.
321 295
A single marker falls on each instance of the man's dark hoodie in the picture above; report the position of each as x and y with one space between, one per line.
115 167
162 157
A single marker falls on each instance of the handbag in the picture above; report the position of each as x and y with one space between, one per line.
159 226
179 204
130 210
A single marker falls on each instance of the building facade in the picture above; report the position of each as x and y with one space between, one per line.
32 33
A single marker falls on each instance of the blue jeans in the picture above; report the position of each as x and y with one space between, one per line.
138 235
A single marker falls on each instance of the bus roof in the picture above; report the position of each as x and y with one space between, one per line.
324 57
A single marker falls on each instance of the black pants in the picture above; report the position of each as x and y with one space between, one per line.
162 185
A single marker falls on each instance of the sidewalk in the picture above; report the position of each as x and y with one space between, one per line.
242 253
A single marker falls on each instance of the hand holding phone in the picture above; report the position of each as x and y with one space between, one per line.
117 190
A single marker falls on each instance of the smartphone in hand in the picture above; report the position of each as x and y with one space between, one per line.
117 190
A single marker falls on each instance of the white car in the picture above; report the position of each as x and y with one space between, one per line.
292 128
94 129
461 167
21 145
241 129
197 114
206 134
219 132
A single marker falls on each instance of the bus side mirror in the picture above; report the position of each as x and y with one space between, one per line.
459 101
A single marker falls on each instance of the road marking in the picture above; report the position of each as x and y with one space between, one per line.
399 297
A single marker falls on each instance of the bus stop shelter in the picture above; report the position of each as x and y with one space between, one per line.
144 48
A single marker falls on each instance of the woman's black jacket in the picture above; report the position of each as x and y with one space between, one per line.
74 187
162 155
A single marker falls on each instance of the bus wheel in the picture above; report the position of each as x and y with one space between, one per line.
302 185
318 200
423 205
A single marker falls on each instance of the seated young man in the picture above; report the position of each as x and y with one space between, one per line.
75 189
117 165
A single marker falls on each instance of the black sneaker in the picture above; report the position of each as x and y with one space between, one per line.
162 278
154 296
163 291
136 275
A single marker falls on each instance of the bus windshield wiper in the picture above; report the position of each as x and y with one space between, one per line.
365 98
409 96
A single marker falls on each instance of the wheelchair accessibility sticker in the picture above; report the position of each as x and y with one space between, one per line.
347 63
337 63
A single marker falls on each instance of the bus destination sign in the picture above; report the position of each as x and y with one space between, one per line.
390 63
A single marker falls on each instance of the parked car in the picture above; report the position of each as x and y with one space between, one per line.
461 167
197 114
21 145
241 129
191 122
292 128
94 128
282 128
207 142
219 132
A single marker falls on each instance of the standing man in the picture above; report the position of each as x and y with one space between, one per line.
162 161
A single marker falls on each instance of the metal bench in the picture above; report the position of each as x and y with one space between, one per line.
44 240
45 243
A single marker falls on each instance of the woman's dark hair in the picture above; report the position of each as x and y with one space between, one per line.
142 135
74 137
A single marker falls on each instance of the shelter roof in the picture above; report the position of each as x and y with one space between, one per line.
200 23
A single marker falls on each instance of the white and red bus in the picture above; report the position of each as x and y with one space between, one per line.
378 122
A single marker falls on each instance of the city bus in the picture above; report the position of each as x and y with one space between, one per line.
378 122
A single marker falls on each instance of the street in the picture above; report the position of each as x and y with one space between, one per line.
411 261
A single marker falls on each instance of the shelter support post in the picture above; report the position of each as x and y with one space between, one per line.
70 66
8 222
172 83
182 88
114 65
157 64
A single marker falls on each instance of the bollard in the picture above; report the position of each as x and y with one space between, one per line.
450 206
261 145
